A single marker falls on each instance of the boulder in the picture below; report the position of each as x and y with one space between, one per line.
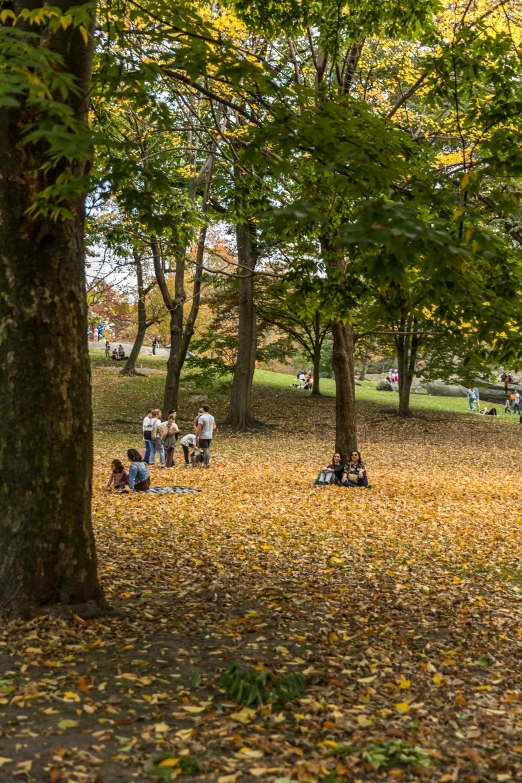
441 389
384 385
496 395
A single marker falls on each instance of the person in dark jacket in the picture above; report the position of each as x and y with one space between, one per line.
333 473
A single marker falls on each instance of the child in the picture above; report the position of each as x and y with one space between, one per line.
118 476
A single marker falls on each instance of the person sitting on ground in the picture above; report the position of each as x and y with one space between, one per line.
139 479
170 430
188 444
115 356
118 476
309 383
121 352
333 473
355 472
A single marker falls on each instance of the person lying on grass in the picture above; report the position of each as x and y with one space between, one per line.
355 472
139 479
118 476
333 473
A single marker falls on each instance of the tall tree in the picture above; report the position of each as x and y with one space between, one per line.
47 550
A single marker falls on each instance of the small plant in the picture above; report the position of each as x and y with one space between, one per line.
250 688
195 679
165 764
384 755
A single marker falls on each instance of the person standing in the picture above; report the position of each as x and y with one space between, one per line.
154 344
156 444
147 434
477 397
205 432
516 403
170 431
471 399
107 349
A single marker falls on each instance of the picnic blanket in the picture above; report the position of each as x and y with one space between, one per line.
166 490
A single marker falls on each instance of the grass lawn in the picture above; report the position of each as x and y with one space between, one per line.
400 607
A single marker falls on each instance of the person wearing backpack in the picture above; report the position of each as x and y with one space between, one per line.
156 443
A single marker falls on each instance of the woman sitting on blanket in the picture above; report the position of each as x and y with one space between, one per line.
139 479
332 474
355 472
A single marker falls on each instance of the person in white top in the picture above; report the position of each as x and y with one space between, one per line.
188 442
205 432
147 428
156 443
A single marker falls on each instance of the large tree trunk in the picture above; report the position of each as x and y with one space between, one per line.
240 409
343 363
47 550
344 371
130 364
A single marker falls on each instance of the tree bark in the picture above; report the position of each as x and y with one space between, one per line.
407 347
240 408
130 364
343 363
364 367
47 549
344 371
318 343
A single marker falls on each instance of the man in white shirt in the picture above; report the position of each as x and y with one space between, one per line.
147 432
204 433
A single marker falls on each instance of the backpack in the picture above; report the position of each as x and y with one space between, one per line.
157 429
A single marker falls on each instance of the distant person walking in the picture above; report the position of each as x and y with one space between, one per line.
154 345
107 349
471 399
516 403
205 432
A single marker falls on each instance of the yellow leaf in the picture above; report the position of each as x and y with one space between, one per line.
403 706
72 695
244 716
364 721
4 760
438 679
168 763
161 728
192 708
404 684
249 753
367 679
483 687
7 14
84 33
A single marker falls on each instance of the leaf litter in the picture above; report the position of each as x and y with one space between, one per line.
398 608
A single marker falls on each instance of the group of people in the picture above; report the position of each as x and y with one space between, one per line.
118 354
306 380
350 473
160 437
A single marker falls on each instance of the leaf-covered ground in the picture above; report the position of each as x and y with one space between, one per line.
399 605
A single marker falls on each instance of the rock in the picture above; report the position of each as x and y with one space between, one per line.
441 389
384 385
497 395
197 398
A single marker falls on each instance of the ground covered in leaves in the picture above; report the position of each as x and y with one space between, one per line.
377 632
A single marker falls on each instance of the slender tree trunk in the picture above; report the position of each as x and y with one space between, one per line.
47 550
364 366
130 364
240 408
317 354
407 347
343 364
